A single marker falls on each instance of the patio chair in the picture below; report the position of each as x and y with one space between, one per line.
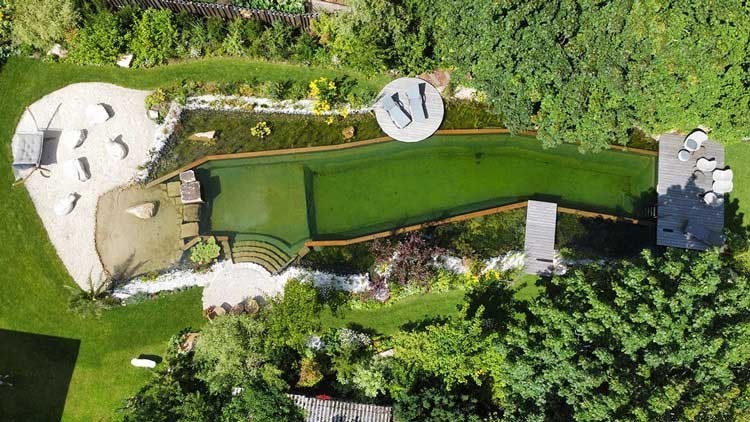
712 199
695 140
723 187
723 175
706 165
417 102
703 235
396 112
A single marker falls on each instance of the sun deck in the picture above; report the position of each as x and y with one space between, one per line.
416 131
680 188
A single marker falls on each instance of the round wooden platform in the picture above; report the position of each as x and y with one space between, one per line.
415 131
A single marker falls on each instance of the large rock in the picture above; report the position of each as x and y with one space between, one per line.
72 138
125 61
58 51
203 136
439 79
143 211
143 363
116 149
96 114
348 132
65 205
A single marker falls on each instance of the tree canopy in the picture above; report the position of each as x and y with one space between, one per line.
664 338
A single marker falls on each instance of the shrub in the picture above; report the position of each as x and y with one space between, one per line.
6 27
154 38
41 23
205 252
99 42
276 41
261 130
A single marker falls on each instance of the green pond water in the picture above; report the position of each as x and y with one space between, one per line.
348 193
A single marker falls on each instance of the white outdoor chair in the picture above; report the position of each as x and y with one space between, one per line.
723 175
723 187
706 165
712 199
695 140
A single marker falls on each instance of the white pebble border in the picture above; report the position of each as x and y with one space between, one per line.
162 135
262 105
180 279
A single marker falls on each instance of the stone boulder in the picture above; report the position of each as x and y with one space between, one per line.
143 211
348 132
439 79
203 136
96 114
58 51
125 61
116 149
143 363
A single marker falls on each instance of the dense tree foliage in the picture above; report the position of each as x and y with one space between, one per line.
589 72
576 71
665 338
41 23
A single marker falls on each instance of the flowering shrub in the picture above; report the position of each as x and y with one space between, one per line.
323 91
261 130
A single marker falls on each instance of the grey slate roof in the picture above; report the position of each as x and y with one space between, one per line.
317 410
680 188
541 221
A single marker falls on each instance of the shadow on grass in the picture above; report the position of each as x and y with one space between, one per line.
39 368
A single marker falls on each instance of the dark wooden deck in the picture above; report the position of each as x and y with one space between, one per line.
680 188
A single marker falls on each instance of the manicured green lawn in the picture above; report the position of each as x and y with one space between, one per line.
33 299
738 158
387 320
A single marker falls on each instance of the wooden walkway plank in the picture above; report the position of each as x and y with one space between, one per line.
541 222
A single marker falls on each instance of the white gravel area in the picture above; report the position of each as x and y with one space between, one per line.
73 235
261 105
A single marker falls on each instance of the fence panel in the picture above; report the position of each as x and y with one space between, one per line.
227 12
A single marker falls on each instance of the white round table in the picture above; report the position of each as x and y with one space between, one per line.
683 155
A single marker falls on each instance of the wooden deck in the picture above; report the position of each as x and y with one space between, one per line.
415 131
680 188
541 221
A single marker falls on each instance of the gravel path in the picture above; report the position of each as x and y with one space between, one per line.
73 235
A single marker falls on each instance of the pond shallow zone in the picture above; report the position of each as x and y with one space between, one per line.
362 190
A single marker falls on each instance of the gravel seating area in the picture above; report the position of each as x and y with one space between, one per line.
73 235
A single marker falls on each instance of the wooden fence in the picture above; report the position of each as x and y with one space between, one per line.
224 11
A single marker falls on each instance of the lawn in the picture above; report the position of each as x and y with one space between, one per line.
33 298
388 320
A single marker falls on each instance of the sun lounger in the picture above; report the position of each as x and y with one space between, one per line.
703 235
417 103
695 140
706 165
396 112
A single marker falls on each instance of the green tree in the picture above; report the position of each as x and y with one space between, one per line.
99 42
41 23
662 338
293 317
154 38
230 353
261 403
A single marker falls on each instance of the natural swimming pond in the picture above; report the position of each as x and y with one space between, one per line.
367 189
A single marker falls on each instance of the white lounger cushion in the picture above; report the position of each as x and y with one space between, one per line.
72 138
75 170
65 205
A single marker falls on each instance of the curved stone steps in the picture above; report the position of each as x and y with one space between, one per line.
256 258
262 246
